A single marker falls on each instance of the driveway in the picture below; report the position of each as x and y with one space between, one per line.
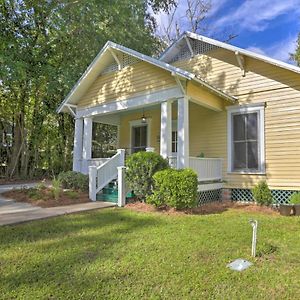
12 212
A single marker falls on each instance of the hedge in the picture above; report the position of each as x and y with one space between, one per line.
175 188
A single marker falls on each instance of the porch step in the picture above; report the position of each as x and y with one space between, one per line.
110 193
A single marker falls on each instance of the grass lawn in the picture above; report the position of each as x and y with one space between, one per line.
122 254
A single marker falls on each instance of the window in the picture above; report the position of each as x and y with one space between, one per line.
174 141
139 138
139 135
246 139
174 137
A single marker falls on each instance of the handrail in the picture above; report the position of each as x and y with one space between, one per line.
206 158
113 157
100 176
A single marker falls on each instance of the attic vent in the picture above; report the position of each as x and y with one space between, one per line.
198 47
125 60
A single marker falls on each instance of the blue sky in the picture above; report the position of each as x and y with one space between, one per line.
269 27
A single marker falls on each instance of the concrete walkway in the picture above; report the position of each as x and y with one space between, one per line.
12 212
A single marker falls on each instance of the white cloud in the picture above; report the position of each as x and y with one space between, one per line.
216 5
256 50
280 50
254 15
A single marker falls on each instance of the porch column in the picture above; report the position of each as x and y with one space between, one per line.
87 143
166 129
77 150
183 133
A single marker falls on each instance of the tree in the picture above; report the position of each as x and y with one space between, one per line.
45 46
192 19
296 55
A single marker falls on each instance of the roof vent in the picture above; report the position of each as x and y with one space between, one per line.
125 60
199 47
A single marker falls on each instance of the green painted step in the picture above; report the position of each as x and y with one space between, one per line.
110 193
107 198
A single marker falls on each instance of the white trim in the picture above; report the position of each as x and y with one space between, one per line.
87 143
189 45
223 45
115 58
166 129
183 133
95 68
132 103
241 61
136 123
72 110
78 145
202 187
260 109
248 105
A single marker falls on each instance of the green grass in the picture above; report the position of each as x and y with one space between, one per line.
120 254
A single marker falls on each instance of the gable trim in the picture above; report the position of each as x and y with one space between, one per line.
232 48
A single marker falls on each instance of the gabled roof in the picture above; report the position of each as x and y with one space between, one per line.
100 63
175 47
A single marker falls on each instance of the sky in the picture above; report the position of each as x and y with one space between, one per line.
268 27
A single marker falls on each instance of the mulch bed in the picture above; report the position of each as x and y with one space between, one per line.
206 209
17 181
46 200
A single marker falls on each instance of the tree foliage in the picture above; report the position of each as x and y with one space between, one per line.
296 55
45 46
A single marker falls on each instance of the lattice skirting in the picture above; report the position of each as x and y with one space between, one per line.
209 196
279 196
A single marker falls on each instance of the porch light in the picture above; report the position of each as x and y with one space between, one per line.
144 120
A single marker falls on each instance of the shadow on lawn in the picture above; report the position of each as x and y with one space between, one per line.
66 246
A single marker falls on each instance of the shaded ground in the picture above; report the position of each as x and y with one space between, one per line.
44 198
124 254
210 208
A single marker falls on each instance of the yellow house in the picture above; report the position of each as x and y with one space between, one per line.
230 114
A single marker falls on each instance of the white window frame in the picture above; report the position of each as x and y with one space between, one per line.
260 110
136 123
174 128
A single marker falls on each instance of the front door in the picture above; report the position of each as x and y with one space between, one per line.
139 138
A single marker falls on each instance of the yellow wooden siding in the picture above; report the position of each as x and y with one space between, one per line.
129 82
208 135
279 88
204 97
220 69
153 114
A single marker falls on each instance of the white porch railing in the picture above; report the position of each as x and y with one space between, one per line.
97 162
100 176
207 169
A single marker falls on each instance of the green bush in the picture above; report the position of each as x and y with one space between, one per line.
74 180
175 188
72 194
34 194
56 189
262 194
295 198
141 167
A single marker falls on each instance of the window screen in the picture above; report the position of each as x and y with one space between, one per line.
245 141
174 141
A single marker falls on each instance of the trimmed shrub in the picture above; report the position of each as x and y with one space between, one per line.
262 194
175 188
74 180
295 198
141 166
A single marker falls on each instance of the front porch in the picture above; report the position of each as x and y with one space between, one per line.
168 127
